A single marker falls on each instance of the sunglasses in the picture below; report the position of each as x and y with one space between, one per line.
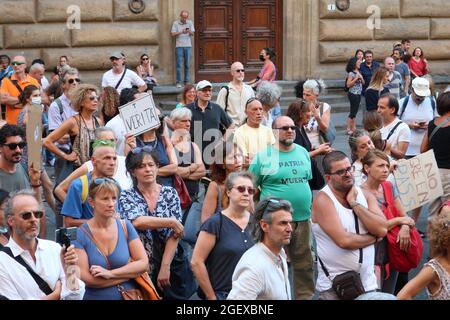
143 59
13 146
138 150
286 128
342 172
240 70
242 189
250 101
92 98
73 80
98 181
27 215
17 63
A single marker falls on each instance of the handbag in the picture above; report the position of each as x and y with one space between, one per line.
347 285
183 192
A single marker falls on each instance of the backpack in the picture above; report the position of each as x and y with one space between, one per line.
398 259
226 97
405 103
84 188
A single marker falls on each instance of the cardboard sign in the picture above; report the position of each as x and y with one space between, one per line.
140 115
418 180
34 136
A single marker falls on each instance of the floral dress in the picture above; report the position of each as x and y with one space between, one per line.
133 205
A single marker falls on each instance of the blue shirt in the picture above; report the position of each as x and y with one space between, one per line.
73 206
117 259
367 73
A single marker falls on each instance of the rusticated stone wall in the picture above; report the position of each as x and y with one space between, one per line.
336 35
38 28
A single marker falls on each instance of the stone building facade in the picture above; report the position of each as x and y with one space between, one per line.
317 40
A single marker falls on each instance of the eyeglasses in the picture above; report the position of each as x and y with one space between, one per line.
138 150
342 172
73 80
92 98
13 146
286 128
242 189
17 63
27 215
114 59
239 70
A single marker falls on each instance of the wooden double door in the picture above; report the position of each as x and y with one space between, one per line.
236 30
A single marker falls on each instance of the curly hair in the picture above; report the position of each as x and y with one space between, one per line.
439 233
268 93
110 101
79 94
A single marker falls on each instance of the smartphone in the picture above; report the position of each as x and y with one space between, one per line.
64 236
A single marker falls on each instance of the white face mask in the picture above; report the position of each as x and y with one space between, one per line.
36 100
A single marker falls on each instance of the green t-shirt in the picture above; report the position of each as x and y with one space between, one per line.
285 175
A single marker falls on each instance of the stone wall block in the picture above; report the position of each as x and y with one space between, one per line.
123 13
425 8
359 8
330 52
395 29
29 54
37 36
348 29
52 10
17 11
440 28
104 34
1 37
97 58
434 49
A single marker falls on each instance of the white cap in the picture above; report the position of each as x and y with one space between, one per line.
203 84
421 87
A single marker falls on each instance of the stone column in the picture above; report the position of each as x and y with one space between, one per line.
170 11
297 39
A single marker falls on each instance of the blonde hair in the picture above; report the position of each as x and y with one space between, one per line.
377 81
79 94
108 185
439 234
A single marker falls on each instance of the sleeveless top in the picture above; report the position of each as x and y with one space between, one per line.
338 260
443 293
185 160
81 143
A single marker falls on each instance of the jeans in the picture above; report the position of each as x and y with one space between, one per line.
180 54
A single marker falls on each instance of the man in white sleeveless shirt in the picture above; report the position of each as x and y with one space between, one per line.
334 212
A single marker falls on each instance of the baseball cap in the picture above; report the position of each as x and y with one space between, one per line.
203 84
421 87
117 55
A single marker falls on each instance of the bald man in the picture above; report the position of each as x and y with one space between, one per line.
12 87
76 209
395 78
234 96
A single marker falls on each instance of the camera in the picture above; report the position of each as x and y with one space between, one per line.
64 236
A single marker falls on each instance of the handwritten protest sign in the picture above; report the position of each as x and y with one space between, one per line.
140 115
418 180
34 136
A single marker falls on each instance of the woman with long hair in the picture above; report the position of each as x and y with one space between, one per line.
145 70
355 83
376 88
189 95
223 239
376 166
359 54
110 254
228 158
31 94
109 104
418 65
80 127
360 143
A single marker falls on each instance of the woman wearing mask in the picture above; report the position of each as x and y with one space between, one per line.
268 71
223 239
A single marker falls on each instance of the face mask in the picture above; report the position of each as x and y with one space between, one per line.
36 100
261 57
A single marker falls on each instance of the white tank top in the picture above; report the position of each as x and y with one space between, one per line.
338 260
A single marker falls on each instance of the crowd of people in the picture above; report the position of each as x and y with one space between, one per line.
265 196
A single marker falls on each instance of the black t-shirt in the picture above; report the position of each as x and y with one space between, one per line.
231 243
439 145
372 97
214 117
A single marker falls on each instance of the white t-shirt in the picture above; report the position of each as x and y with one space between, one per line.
312 128
423 112
401 134
110 79
118 127
120 176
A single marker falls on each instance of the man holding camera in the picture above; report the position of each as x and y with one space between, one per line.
183 30
32 268
346 222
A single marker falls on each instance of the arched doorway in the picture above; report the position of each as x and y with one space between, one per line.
236 30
